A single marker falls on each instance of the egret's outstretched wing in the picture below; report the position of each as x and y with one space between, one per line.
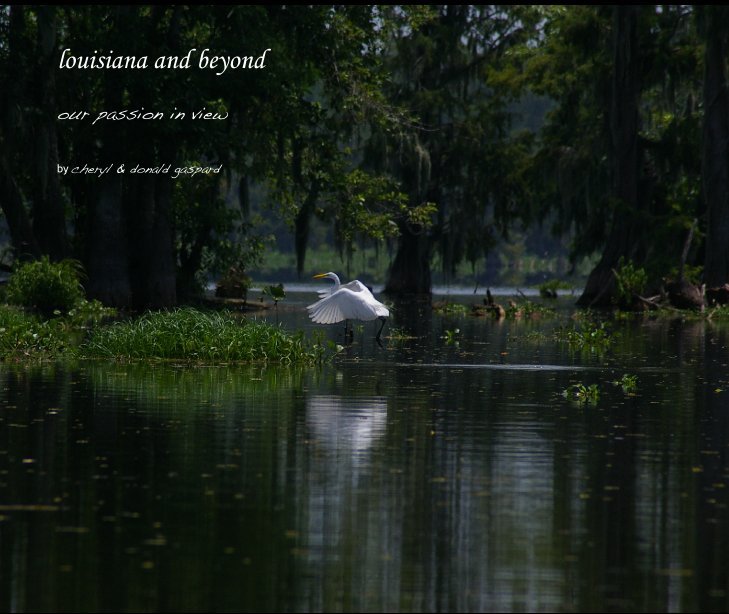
355 286
347 304
326 311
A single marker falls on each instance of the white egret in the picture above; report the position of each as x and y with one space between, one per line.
351 301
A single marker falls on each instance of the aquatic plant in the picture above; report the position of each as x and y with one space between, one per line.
582 394
591 336
399 334
193 335
88 312
528 309
535 335
447 308
24 335
450 336
629 383
277 293
50 288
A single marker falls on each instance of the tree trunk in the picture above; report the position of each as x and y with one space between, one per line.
715 147
148 197
151 243
11 202
626 229
161 287
107 256
107 265
49 222
410 271
301 226
139 208
12 92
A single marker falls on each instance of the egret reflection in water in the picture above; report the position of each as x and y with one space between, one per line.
342 425
344 431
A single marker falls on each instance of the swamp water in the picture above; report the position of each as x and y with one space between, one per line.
442 472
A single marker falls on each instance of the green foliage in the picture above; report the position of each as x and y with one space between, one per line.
192 335
213 237
628 383
548 289
575 165
457 75
535 336
382 121
692 274
368 204
630 280
446 308
720 312
277 292
399 335
591 337
234 284
528 309
582 394
24 336
571 67
85 315
451 336
45 286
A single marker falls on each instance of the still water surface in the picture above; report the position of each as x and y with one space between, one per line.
443 472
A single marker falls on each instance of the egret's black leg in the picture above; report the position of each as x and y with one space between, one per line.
379 332
348 334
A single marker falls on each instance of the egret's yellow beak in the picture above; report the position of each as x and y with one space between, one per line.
319 276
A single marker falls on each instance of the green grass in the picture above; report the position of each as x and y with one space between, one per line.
197 336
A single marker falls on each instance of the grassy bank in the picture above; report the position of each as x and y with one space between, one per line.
183 334
198 336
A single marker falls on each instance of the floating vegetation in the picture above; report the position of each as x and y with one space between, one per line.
446 308
197 336
628 383
586 314
399 334
591 337
525 309
582 394
536 336
528 309
451 336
